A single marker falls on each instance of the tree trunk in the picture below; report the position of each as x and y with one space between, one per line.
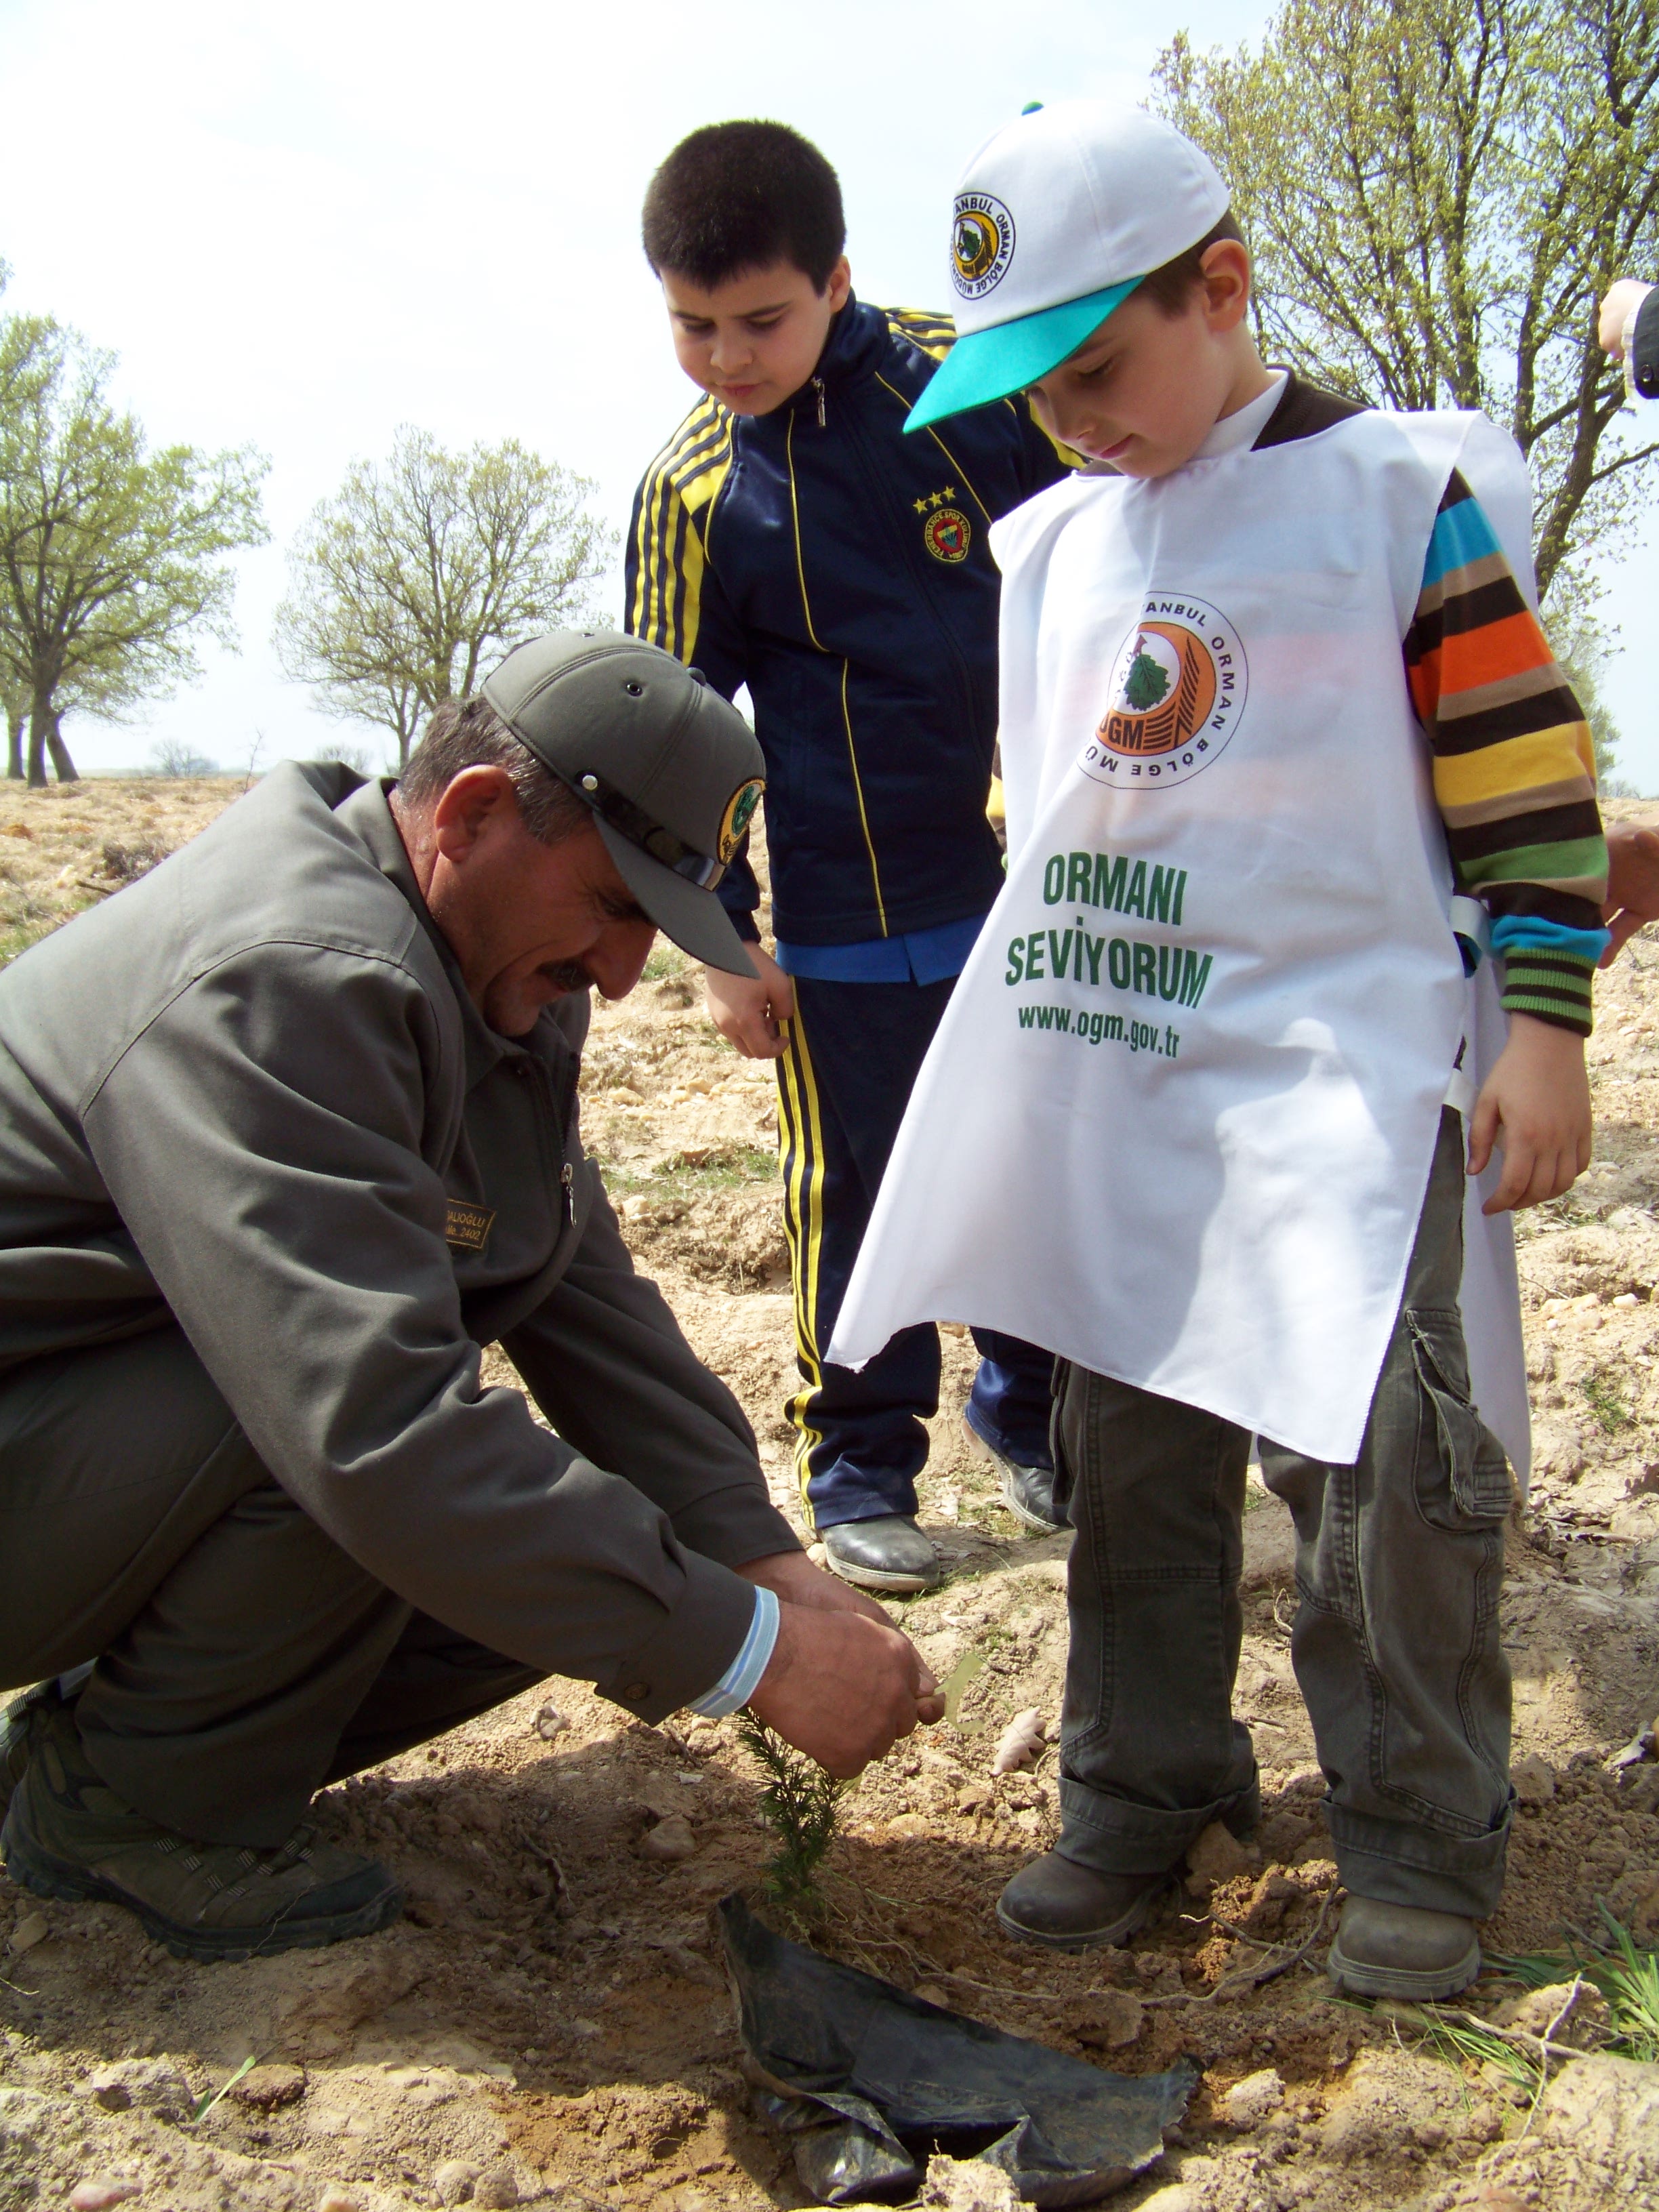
60 752
16 719
39 718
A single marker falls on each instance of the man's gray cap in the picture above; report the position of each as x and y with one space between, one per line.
670 769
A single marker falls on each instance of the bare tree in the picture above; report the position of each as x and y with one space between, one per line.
424 566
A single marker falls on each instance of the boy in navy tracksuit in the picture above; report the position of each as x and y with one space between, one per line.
791 539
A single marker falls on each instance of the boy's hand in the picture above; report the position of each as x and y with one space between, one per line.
747 1010
1536 1105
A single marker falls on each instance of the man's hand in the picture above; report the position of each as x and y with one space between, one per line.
747 1010
843 1689
1633 884
1535 1104
1614 313
792 1576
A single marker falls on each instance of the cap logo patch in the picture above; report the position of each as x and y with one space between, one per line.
1177 689
739 813
981 244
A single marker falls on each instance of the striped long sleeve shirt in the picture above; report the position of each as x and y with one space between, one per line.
1514 767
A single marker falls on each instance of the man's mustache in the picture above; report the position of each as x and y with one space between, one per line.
566 975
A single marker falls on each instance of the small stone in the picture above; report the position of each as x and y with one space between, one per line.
968 2184
1534 1779
670 1841
99 2196
977 1797
28 1932
907 1825
453 2180
1217 1856
335 2199
550 1721
1114 2019
496 2190
152 2084
1177 2196
1249 2102
267 2088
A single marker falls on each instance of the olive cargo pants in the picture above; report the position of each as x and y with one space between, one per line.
243 1659
1395 1646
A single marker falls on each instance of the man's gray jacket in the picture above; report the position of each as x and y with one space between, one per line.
250 1095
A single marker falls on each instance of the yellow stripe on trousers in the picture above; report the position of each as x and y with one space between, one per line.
800 1156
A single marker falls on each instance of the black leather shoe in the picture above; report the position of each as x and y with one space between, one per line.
1403 1951
1027 1491
887 1554
1067 1906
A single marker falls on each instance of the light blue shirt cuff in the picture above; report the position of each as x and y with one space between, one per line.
742 1678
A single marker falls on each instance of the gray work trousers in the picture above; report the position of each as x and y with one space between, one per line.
1395 1645
243 1659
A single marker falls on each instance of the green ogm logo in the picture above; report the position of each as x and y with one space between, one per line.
739 813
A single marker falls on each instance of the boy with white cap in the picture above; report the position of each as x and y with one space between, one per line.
1282 738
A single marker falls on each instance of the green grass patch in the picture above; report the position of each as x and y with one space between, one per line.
1611 1412
1627 1978
685 1175
665 960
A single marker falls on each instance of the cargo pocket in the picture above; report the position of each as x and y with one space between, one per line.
1462 1475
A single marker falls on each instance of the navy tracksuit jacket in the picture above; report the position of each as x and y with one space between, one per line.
841 570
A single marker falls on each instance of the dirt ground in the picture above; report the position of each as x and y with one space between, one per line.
551 2022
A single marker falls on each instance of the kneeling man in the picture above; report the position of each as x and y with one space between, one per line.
288 1133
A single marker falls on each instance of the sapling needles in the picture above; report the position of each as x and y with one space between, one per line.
801 1806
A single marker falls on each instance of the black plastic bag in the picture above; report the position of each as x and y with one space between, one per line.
873 2080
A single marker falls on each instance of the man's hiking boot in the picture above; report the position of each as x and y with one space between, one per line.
19 1723
1027 1491
67 1835
889 1554
1067 1906
1403 1951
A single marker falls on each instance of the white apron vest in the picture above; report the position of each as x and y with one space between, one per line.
1178 1120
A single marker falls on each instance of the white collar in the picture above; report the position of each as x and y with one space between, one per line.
1242 429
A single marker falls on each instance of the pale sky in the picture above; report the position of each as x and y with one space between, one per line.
300 225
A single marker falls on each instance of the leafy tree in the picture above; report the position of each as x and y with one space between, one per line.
1437 192
424 566
112 557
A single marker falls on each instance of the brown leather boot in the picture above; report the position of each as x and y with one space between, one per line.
1403 1951
1067 1906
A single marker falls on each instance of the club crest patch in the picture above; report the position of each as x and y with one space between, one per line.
739 813
981 244
948 534
1177 690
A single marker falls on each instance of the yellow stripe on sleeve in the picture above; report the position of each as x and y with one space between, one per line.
1560 754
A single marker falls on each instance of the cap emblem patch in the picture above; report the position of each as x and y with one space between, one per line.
739 812
981 244
948 534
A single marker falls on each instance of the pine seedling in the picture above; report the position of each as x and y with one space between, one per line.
801 1805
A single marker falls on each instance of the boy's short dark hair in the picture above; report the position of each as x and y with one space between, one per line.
740 196
1173 284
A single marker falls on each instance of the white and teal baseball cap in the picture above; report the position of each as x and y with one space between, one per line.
1058 217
